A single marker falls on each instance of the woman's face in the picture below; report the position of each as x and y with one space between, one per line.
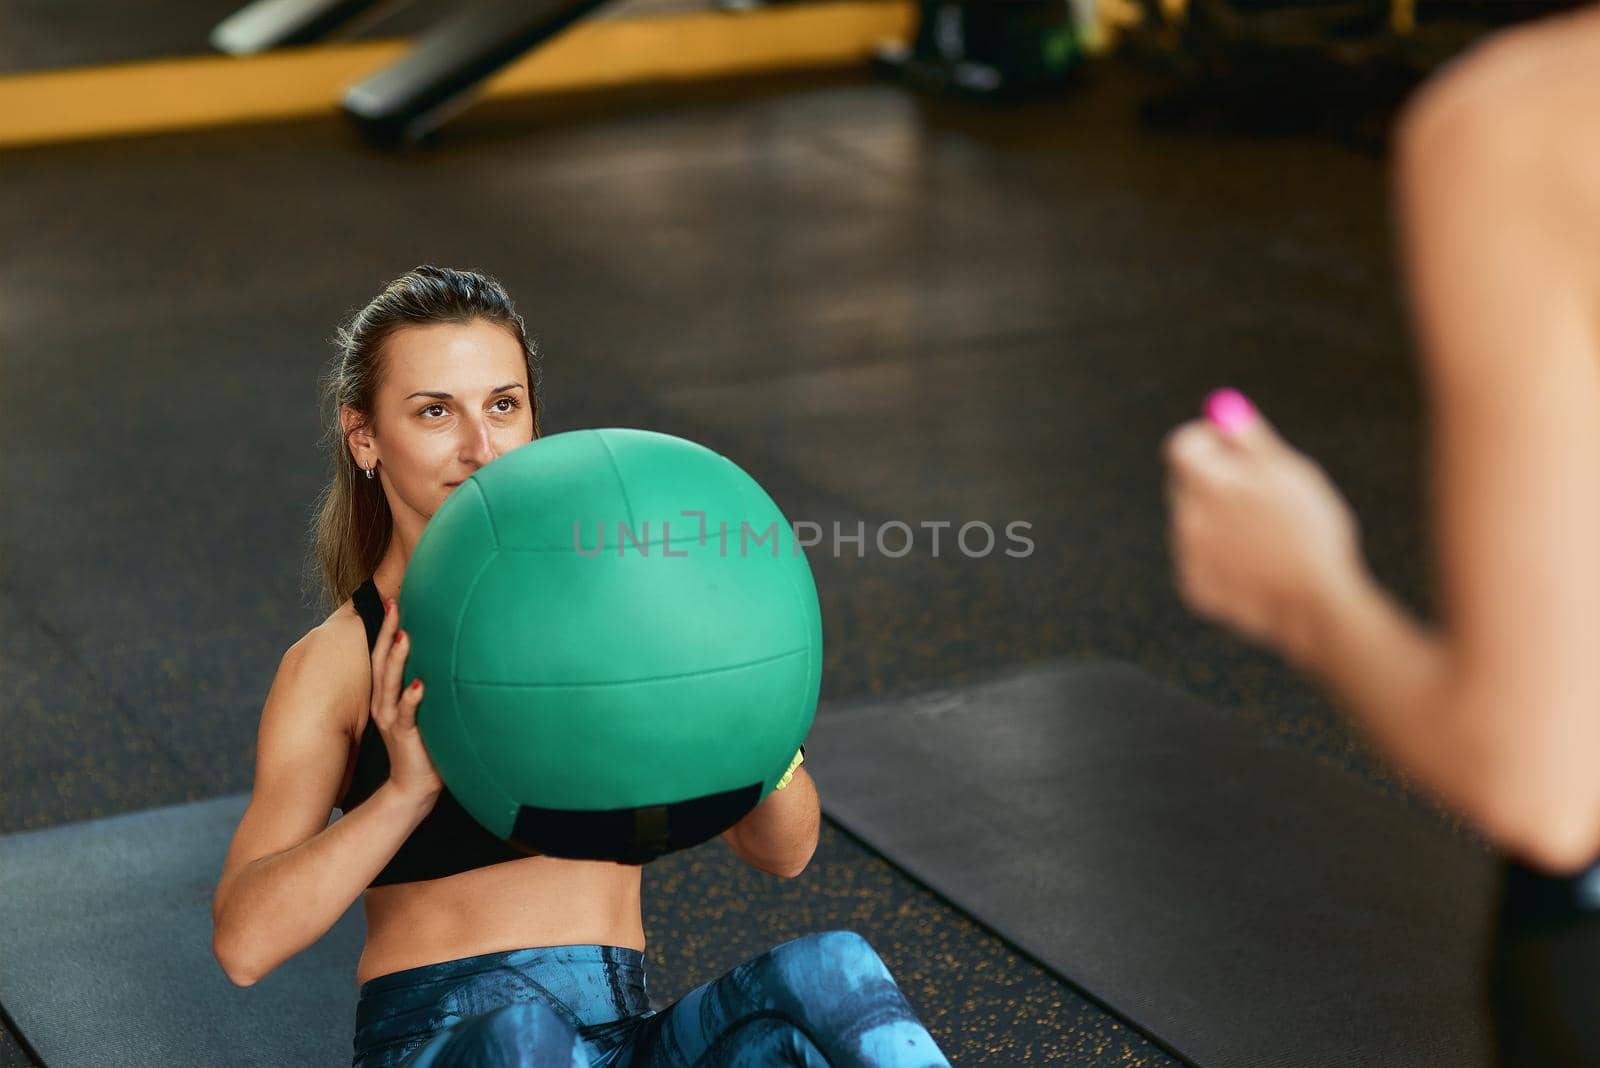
454 397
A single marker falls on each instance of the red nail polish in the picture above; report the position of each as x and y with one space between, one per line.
416 684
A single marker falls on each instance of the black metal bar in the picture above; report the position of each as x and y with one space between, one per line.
269 24
407 99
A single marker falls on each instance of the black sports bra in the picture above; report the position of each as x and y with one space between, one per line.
448 840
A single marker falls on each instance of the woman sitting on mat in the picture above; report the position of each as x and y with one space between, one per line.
1497 710
477 953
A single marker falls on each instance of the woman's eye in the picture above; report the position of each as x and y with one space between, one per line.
515 404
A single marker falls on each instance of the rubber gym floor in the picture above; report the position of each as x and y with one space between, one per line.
885 306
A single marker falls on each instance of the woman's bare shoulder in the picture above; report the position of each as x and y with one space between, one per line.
1502 127
333 657
1533 77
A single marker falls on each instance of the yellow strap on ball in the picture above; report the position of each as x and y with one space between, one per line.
799 758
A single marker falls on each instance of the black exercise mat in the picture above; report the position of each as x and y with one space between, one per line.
105 952
1239 900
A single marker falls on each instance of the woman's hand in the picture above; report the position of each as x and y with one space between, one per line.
411 770
1258 534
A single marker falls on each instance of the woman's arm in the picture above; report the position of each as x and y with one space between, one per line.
280 904
780 834
1498 713
289 876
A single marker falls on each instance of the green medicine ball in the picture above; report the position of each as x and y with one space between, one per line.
608 677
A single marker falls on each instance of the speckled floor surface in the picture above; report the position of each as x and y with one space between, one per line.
885 308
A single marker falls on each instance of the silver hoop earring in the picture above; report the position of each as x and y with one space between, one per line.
369 470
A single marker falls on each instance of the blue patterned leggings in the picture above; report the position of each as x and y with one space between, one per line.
823 1001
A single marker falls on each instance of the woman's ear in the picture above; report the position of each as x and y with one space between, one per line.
357 435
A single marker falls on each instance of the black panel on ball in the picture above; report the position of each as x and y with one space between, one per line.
631 835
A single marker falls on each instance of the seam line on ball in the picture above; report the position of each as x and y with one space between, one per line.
630 682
